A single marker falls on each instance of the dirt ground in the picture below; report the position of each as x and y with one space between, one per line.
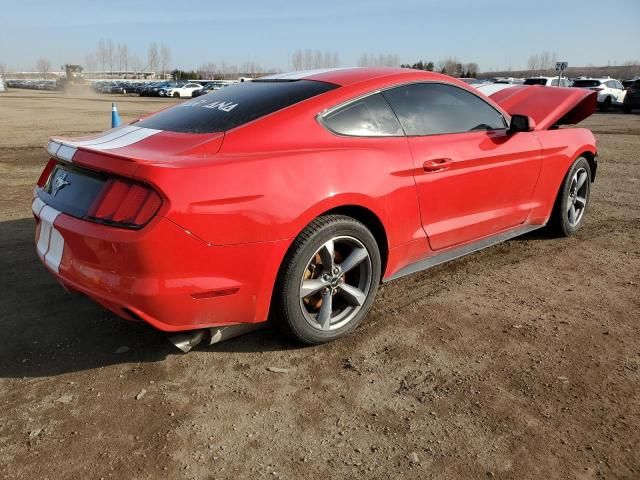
521 361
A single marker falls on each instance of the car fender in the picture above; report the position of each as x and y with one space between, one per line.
560 148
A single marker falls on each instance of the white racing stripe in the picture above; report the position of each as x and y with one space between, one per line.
53 147
50 241
66 152
125 140
107 136
118 138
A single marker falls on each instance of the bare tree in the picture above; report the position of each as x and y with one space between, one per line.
207 71
124 56
136 64
309 59
110 54
43 66
165 58
90 62
101 55
541 62
152 57
297 60
379 60
471 69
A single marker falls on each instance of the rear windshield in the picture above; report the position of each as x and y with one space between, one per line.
232 106
586 83
535 81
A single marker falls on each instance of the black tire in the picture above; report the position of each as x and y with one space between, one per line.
176 95
626 109
560 222
288 305
606 105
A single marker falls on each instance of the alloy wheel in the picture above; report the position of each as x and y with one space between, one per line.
578 193
335 283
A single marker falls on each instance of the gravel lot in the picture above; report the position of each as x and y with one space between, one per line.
521 361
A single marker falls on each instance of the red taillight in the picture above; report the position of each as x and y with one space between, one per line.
125 203
44 176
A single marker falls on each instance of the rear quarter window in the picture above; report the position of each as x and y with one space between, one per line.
370 116
233 106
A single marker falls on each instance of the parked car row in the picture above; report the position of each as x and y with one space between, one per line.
34 84
117 87
175 89
611 92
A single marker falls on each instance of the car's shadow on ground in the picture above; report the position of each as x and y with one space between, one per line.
46 331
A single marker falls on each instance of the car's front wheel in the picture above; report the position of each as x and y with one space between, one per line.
573 198
606 105
176 95
328 280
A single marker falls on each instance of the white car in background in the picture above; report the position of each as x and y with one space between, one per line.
548 81
610 91
185 90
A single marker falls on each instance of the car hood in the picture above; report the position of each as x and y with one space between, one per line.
547 106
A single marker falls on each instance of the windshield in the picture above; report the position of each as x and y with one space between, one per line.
235 105
535 81
586 83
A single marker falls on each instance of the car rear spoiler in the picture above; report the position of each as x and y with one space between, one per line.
547 106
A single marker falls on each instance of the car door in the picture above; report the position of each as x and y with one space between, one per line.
620 91
474 178
189 88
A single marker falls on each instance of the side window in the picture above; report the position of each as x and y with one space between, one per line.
610 84
434 108
370 116
554 82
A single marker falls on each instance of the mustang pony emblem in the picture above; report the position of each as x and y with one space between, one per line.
59 183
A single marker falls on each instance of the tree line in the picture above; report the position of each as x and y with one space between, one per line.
110 57
449 66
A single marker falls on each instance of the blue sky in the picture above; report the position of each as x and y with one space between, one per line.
493 33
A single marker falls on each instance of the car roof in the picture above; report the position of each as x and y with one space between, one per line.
345 76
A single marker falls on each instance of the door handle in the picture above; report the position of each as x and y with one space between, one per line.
437 164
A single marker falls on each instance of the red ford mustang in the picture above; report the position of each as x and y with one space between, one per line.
292 197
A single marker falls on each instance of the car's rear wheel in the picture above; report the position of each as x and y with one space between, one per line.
573 198
328 280
626 109
606 105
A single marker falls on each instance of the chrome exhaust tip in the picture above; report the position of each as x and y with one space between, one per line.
187 340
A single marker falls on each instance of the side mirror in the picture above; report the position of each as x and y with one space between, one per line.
521 123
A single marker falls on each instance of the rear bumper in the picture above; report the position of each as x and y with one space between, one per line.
160 274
